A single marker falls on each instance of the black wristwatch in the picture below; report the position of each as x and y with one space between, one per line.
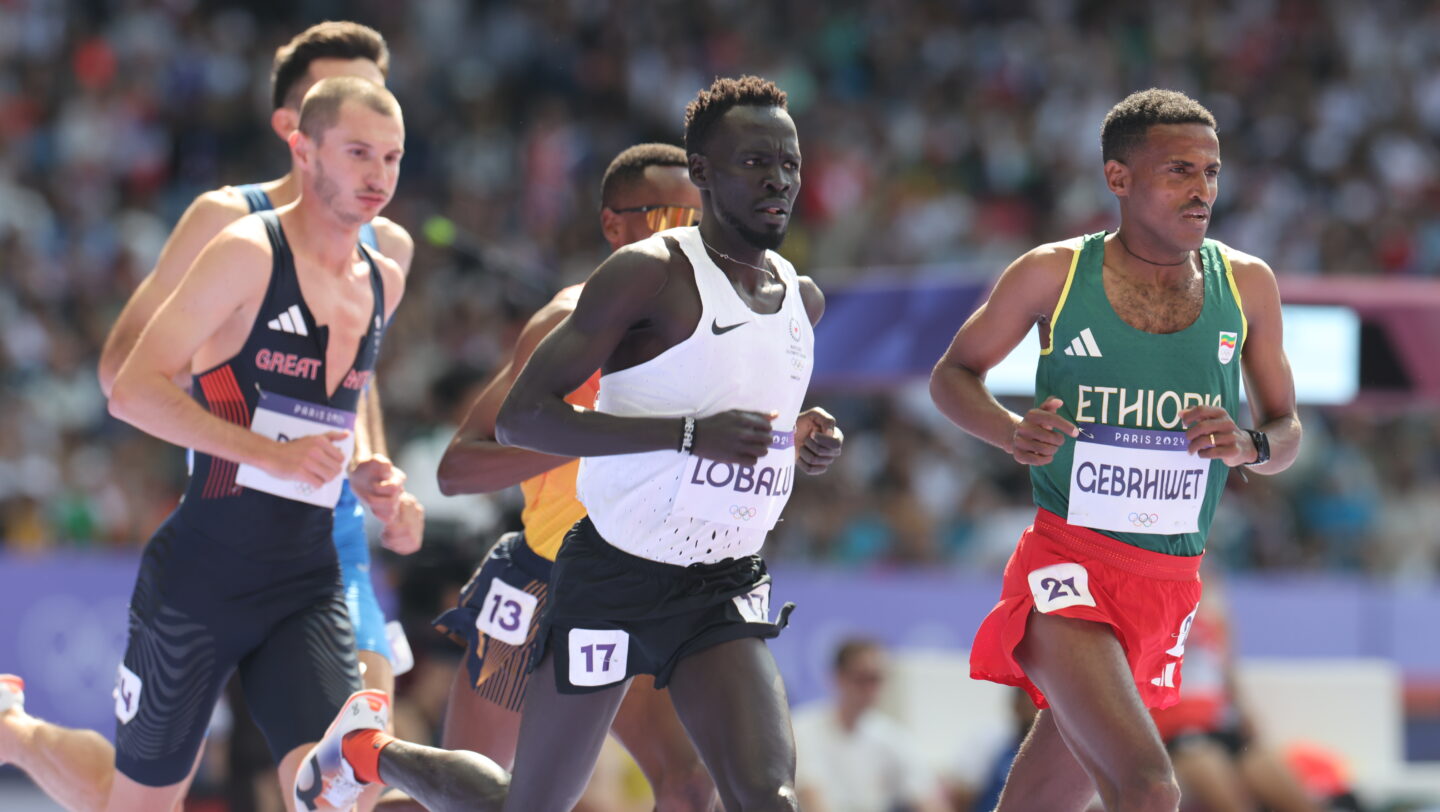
1262 446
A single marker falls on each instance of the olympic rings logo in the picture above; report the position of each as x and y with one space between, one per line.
1143 519
743 513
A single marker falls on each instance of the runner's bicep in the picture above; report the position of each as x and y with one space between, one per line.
620 294
1269 382
480 421
1027 289
566 358
216 286
985 339
201 223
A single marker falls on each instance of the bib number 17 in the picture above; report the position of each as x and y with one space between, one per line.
598 656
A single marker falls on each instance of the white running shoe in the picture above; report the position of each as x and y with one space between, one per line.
12 692
325 780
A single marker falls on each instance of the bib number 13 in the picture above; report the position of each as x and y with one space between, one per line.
598 656
506 613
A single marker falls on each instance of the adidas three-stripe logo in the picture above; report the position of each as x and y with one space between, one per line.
290 321
1084 345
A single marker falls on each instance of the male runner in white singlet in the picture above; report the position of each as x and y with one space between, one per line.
703 336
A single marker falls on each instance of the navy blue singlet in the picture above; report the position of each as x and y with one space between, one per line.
351 543
258 200
241 580
290 362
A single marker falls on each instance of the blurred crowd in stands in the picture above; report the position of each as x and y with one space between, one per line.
939 136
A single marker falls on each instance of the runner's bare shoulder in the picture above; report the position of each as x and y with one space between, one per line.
1245 265
242 244
395 242
217 202
642 268
207 215
1033 282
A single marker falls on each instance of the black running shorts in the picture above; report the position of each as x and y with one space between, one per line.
202 610
612 615
496 620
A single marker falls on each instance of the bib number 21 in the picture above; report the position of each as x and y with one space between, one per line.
1059 586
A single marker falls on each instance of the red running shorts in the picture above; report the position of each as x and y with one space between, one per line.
1147 598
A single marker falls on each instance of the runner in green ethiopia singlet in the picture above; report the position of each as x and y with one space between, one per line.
1127 474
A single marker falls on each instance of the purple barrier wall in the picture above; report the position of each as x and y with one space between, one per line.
858 345
63 621
63 618
1289 616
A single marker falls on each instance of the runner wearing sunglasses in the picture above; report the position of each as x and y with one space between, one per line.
660 216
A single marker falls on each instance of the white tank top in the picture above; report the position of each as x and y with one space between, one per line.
684 509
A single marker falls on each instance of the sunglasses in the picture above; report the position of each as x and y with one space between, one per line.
661 217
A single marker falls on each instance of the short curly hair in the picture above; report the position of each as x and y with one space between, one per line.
334 39
723 94
1128 122
630 165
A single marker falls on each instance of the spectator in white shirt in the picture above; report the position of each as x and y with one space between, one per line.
853 758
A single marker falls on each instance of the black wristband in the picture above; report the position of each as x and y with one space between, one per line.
687 434
1262 446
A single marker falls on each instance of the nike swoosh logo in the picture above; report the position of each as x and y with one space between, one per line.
720 331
